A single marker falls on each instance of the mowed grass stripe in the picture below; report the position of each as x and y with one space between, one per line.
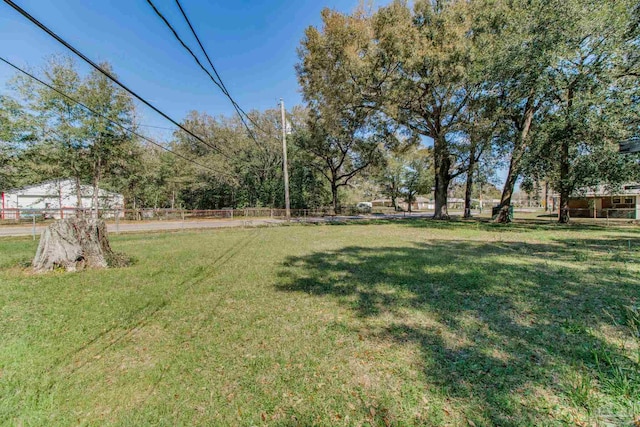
142 317
412 323
68 364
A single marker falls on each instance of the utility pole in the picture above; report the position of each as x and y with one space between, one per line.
284 161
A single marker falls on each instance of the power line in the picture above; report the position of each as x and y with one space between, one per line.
177 36
108 75
193 31
204 51
235 104
107 118
156 127
219 83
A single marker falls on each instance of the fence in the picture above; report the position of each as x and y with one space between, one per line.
9 216
13 215
604 213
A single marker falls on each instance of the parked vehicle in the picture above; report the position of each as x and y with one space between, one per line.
364 207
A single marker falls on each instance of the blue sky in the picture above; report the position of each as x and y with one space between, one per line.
252 44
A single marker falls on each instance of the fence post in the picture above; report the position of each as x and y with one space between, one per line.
117 221
33 215
182 214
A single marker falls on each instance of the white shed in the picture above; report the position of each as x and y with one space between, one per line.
57 197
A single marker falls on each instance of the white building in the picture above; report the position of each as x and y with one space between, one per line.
58 197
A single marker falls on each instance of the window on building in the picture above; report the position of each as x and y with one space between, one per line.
629 200
615 200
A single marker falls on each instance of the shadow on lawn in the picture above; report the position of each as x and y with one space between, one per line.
511 319
484 224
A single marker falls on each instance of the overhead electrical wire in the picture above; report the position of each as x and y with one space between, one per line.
156 127
177 36
131 131
218 82
109 76
204 51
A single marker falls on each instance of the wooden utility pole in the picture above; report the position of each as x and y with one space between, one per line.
285 169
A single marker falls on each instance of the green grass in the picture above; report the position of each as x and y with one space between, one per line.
385 323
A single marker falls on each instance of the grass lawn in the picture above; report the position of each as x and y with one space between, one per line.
391 323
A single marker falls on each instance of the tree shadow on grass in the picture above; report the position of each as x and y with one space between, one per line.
507 322
484 224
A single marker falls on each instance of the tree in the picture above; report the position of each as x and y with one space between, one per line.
340 152
107 147
416 175
519 38
212 188
411 65
344 134
68 139
390 175
587 113
12 135
480 127
428 49
405 172
55 121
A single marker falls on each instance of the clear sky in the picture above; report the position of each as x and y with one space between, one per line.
252 43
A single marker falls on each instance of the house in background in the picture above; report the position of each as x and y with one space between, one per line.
597 203
58 197
382 203
419 203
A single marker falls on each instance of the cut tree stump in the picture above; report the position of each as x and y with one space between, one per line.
74 244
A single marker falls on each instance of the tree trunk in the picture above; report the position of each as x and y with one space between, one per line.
546 196
96 182
507 193
565 187
60 200
79 206
469 185
75 244
512 175
442 165
565 191
335 199
467 196
514 165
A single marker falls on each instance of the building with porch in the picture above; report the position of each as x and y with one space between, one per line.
598 203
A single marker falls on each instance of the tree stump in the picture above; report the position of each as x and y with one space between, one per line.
74 244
